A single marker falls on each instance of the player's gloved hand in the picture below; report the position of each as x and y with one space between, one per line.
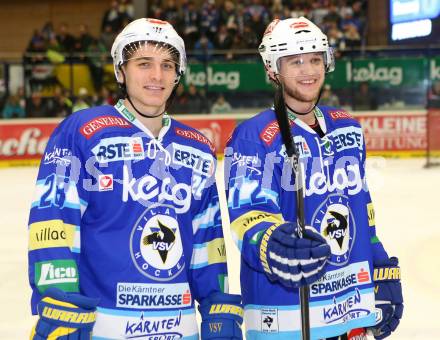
64 316
389 299
222 316
291 260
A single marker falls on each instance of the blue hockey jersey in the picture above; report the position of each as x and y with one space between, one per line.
130 219
261 191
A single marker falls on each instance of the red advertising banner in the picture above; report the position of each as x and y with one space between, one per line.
23 141
394 132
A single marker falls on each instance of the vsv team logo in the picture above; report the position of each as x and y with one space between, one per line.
334 220
155 244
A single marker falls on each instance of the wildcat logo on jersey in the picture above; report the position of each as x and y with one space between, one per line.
163 328
155 244
335 221
269 320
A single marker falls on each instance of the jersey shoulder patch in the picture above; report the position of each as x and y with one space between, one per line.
187 132
97 119
339 114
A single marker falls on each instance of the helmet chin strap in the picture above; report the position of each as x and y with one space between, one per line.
143 114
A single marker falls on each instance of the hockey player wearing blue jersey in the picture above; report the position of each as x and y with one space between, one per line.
354 285
125 233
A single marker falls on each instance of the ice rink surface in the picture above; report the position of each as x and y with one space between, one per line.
407 208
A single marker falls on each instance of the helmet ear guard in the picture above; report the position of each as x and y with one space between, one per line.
293 36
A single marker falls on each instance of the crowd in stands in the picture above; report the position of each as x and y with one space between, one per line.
237 25
207 26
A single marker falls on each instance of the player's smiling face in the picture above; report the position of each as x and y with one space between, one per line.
302 76
150 74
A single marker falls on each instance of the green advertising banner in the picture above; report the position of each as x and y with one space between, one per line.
379 72
384 72
224 77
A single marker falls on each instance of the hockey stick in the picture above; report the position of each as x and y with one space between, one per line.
293 154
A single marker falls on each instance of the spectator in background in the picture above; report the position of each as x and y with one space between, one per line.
126 10
203 48
96 58
298 10
223 40
221 105
229 17
120 12
364 98
171 13
250 38
65 39
195 102
54 52
83 100
318 13
190 24
107 37
60 105
331 17
257 17
48 31
277 9
180 101
111 17
209 19
84 40
336 40
37 47
345 8
13 108
359 14
104 97
352 37
37 107
328 98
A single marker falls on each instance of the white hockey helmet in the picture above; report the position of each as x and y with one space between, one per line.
293 36
147 29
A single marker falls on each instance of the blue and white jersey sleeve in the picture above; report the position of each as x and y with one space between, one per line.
208 263
252 181
55 216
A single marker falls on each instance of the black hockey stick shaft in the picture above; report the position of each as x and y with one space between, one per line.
293 154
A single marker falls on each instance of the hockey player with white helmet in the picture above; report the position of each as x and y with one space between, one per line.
125 231
300 209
